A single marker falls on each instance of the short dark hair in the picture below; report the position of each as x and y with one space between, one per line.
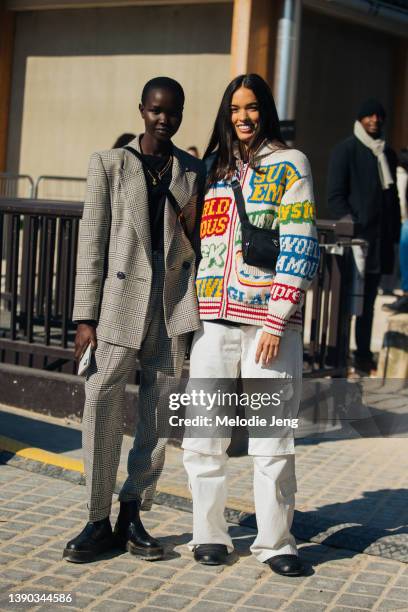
163 83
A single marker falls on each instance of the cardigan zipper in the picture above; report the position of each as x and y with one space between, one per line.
230 256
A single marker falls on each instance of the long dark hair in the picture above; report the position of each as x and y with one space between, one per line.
223 135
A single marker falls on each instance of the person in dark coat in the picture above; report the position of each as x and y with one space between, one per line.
362 185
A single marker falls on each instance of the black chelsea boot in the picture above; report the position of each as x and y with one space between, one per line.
132 536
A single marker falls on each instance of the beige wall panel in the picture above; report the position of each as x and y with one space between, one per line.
78 76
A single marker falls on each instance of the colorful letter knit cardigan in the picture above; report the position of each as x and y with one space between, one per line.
279 193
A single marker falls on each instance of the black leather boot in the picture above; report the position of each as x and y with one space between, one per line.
96 538
211 554
286 565
132 536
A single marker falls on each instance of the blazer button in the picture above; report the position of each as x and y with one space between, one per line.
121 275
186 265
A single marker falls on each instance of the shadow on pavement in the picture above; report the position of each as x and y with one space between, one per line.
376 523
38 433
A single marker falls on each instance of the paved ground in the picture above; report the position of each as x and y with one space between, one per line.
352 500
39 514
352 493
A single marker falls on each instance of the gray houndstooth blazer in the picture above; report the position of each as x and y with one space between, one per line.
114 264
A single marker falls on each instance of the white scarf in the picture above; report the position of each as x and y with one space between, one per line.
377 147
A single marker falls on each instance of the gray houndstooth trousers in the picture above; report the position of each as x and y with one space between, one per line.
161 360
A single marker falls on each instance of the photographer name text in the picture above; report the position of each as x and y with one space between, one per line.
236 421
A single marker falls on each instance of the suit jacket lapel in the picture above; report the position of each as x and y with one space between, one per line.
181 186
134 185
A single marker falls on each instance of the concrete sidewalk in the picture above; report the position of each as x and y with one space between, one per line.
39 514
352 493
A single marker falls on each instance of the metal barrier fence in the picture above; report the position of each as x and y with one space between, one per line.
13 186
68 188
35 325
50 187
35 314
16 185
327 312
60 188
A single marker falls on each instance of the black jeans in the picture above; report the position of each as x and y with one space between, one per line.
364 323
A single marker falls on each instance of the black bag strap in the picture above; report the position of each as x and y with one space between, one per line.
136 154
209 162
239 200
171 197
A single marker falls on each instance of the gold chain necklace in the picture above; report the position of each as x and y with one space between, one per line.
160 173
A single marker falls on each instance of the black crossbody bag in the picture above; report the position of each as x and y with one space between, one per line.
260 246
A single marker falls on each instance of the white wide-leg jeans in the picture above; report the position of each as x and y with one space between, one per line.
222 351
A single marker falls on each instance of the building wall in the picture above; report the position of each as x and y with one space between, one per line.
341 64
78 75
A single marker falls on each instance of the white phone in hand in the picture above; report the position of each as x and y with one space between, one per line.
85 360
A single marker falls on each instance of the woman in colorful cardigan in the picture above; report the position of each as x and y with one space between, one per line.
251 318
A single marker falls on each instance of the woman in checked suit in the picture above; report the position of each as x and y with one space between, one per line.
135 299
251 316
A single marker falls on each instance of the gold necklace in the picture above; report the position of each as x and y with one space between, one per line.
160 173
167 165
